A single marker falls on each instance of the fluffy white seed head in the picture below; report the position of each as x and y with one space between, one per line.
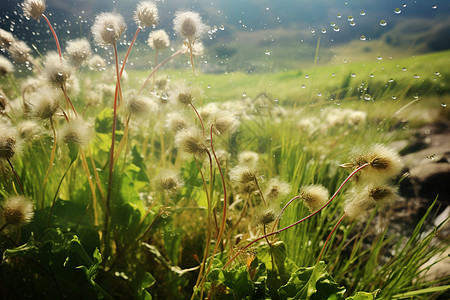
360 201
249 159
6 39
189 25
107 28
29 130
139 105
197 49
168 181
146 14
6 66
158 40
17 211
77 131
244 177
78 50
97 63
314 196
33 8
19 51
9 141
176 121
385 163
277 188
191 140
43 103
224 122
56 70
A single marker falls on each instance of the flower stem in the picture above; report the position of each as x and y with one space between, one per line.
17 176
52 158
329 236
54 35
301 220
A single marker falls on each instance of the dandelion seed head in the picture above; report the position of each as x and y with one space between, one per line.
6 66
146 14
191 140
33 8
6 39
314 196
97 63
169 181
9 141
248 158
17 211
19 51
78 50
107 28
77 131
189 25
158 40
242 174
29 130
43 103
176 121
139 105
224 122
56 70
276 188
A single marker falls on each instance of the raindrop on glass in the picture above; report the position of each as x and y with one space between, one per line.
391 80
362 37
339 16
332 24
362 13
336 28
371 75
267 52
434 7
403 69
323 30
416 76
303 86
397 10
379 57
444 104
367 97
352 23
244 94
222 27
350 18
437 73
383 23
353 75
306 76
394 97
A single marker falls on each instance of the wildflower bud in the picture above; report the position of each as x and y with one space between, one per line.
76 131
185 98
276 188
314 196
19 51
33 8
384 163
168 181
56 70
9 141
43 103
29 130
6 66
248 158
176 122
192 141
6 39
362 200
17 211
107 28
158 40
78 50
189 25
146 14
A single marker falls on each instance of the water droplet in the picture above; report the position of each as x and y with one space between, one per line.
394 97
416 76
367 97
164 96
267 52
350 18
244 94
379 57
403 69
303 86
339 16
437 73
306 76
391 80
444 104
353 75
332 24
371 75
352 23
333 74
434 7
397 10
319 94
323 30
383 23
209 86
222 27
336 28
313 31
362 37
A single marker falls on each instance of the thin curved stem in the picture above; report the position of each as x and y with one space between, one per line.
157 67
52 158
198 116
17 176
282 211
329 236
66 95
54 35
301 220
